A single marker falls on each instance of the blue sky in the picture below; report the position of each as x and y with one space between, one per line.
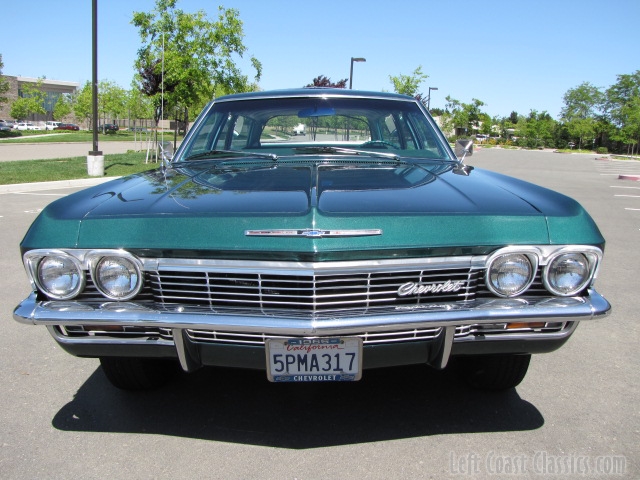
513 55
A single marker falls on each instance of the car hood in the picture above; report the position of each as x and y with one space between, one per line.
211 207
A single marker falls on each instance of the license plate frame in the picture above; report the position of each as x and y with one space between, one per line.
317 359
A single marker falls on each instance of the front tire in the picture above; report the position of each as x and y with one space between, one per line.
494 372
135 374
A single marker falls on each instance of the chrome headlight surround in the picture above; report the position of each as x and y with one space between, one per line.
55 273
570 270
116 274
515 267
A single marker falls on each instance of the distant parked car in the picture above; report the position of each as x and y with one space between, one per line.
26 126
7 123
67 126
109 128
4 127
51 125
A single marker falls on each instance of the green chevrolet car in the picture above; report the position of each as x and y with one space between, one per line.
363 241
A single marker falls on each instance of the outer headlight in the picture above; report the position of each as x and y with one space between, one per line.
117 278
59 276
510 274
567 274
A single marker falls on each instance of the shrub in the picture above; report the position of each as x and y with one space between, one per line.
602 150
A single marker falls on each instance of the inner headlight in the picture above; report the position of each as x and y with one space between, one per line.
59 277
510 274
117 278
567 274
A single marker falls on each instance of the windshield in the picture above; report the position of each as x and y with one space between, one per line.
315 125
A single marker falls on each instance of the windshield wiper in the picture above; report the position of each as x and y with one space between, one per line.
347 151
223 153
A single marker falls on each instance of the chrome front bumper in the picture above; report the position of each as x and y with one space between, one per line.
448 321
32 311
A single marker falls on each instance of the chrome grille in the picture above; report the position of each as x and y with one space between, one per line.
258 292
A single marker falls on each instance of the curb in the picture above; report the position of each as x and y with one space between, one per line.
34 187
635 178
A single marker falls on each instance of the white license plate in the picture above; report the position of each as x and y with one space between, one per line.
314 359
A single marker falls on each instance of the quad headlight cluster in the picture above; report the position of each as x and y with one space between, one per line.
566 270
62 276
117 275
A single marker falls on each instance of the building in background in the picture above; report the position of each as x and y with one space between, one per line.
53 88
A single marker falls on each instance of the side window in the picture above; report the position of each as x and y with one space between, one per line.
240 137
389 130
234 134
395 130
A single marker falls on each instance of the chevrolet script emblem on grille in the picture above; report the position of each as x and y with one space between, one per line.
312 233
411 288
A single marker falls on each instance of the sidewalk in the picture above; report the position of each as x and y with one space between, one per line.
10 152
39 186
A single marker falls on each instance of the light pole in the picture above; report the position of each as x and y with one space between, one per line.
356 59
95 159
429 97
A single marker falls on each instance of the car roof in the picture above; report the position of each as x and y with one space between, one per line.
314 92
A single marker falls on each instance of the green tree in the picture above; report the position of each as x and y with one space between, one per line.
581 105
31 101
62 107
410 84
4 84
138 105
82 103
537 130
582 102
185 57
112 101
465 117
621 106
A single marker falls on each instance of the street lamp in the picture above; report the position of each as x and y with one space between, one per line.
429 97
357 59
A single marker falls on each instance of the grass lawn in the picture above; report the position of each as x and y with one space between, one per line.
116 165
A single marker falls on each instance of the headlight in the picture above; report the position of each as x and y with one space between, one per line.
117 278
567 274
59 276
510 274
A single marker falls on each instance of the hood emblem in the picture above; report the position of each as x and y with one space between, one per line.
313 233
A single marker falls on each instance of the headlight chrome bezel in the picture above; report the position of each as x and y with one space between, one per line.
34 264
85 262
530 256
544 258
96 258
591 263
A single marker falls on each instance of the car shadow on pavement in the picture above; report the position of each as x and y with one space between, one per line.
240 406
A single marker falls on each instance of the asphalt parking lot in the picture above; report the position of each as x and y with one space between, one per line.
576 414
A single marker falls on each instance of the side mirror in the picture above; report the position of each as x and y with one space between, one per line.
464 148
